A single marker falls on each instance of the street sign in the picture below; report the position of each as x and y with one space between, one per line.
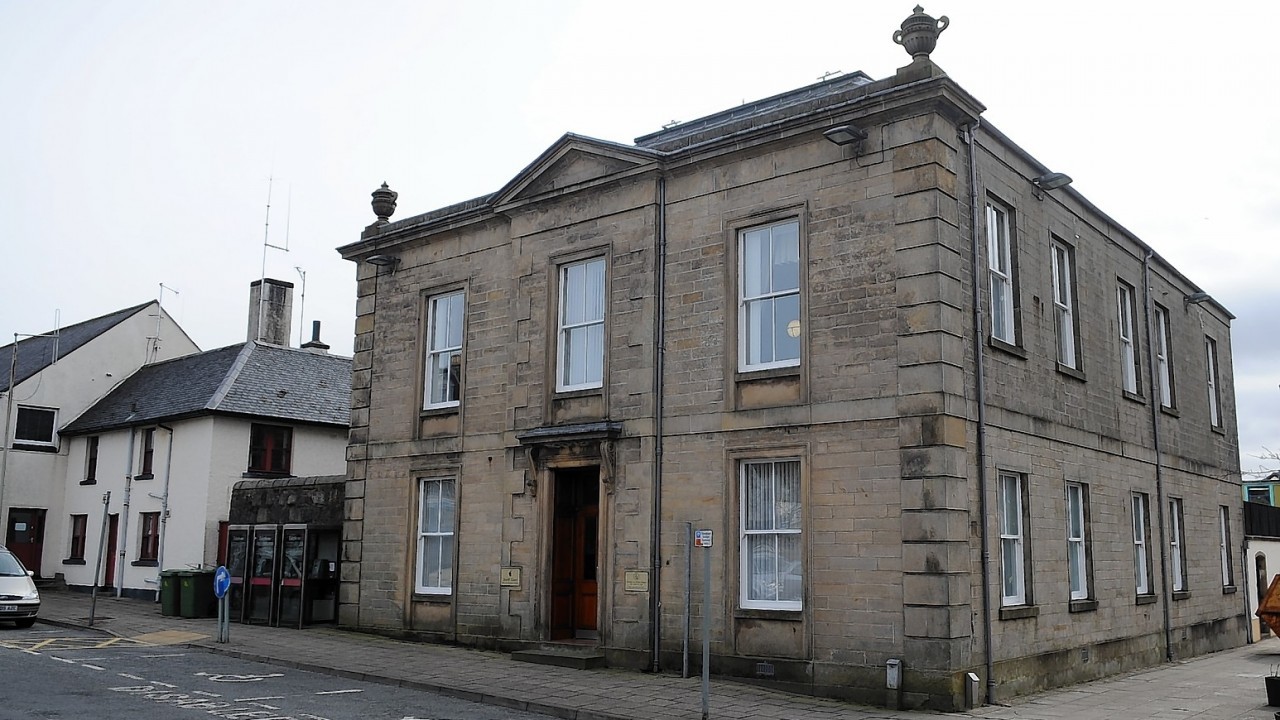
702 538
221 581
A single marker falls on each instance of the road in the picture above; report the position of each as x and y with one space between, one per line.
61 673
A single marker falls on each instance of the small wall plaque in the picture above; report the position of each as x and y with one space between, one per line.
637 581
511 577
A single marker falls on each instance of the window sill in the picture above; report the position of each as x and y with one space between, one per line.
90 481
1228 589
1145 600
264 474
442 411
29 447
767 373
1170 411
1019 612
1135 397
1218 429
433 598
1006 347
1181 594
144 476
575 393
1078 606
1071 372
763 614
145 563
73 561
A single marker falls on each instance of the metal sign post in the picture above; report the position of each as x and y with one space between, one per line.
102 546
221 583
703 539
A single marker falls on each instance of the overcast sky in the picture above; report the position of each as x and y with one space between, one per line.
139 140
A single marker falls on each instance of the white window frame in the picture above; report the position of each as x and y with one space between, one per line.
1211 367
1164 369
444 350
1128 345
1064 304
767 300
1224 546
1013 570
1077 542
435 523
52 442
1141 566
1177 557
581 340
1000 268
792 525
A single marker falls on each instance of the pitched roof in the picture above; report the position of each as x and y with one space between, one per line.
250 379
38 353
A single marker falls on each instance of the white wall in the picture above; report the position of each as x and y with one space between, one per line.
1270 551
210 455
75 382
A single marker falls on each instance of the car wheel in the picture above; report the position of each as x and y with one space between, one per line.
25 622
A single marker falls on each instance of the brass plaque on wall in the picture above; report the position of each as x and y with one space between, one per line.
637 581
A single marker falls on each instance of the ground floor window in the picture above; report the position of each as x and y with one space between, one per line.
435 536
772 562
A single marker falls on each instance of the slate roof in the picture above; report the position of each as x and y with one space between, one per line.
250 379
36 353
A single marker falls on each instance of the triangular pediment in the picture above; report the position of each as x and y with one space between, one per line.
573 162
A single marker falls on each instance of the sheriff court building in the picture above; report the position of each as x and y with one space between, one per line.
939 412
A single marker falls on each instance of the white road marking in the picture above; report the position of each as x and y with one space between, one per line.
264 697
62 660
162 684
92 667
220 677
126 675
338 692
149 657
206 694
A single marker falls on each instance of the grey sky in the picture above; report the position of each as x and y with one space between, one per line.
138 137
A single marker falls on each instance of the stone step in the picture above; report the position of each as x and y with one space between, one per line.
578 658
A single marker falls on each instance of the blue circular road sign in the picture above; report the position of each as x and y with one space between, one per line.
221 581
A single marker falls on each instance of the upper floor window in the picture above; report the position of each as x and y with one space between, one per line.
1224 546
434 572
270 448
1000 264
1126 311
769 325
91 460
1211 366
580 352
1012 541
34 428
444 351
772 554
1064 303
1164 369
1258 494
147 453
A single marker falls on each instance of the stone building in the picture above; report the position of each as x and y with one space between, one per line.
940 412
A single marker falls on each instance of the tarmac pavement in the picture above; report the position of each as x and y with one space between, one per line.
1223 686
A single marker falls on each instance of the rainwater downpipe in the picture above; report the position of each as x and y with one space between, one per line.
980 390
1166 599
164 508
659 343
122 540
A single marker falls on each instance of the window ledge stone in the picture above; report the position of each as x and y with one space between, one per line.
1073 373
1181 594
763 614
1088 605
1228 589
1007 347
1145 600
1019 612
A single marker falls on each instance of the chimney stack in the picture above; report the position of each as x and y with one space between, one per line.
314 345
270 313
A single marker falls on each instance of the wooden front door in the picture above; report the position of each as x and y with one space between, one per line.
575 556
25 536
113 531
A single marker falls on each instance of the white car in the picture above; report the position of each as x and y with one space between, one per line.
19 598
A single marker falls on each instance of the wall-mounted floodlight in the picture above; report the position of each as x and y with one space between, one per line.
845 134
1050 181
1196 298
383 260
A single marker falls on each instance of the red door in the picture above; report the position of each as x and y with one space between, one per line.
574 556
113 530
25 536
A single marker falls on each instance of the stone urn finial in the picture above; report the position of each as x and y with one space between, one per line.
919 33
384 203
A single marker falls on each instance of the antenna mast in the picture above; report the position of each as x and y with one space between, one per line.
153 348
266 243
